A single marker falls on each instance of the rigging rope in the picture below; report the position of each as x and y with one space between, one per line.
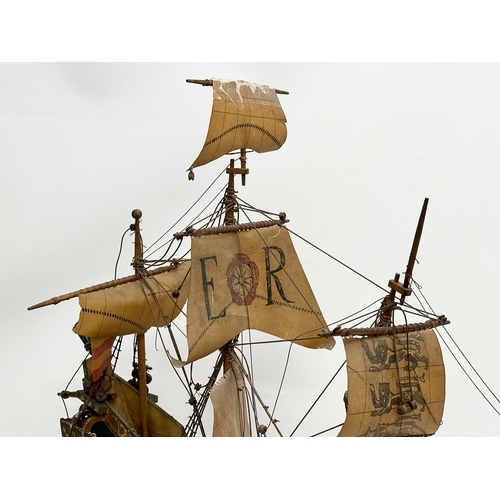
318 398
317 248
337 260
327 430
464 356
245 373
250 366
71 380
195 420
188 210
120 250
282 379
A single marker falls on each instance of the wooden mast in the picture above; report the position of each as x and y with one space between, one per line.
229 220
138 265
404 289
414 250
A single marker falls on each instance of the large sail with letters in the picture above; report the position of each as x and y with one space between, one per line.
245 279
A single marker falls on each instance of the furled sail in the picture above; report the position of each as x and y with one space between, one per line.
230 408
244 115
130 308
248 279
387 373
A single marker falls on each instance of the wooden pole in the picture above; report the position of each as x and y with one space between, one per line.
102 286
229 200
141 343
388 304
243 160
414 249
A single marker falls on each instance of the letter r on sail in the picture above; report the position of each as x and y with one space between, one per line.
272 273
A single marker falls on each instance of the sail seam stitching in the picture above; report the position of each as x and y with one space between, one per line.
243 125
291 306
202 334
114 316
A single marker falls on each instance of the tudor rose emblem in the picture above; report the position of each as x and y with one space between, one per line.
242 279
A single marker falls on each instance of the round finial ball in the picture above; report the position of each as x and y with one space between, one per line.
136 214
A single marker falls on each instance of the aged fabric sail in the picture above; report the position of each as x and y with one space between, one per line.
244 115
385 371
133 307
230 408
249 280
130 308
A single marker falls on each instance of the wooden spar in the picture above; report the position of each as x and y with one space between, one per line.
141 342
387 330
103 286
414 249
210 83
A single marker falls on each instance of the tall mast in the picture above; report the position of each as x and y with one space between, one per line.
138 265
404 289
244 116
230 219
414 250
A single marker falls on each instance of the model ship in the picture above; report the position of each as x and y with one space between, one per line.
239 275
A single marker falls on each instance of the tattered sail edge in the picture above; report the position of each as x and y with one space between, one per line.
218 141
219 92
327 343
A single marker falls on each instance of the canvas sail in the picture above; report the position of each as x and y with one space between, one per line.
244 115
386 370
249 279
130 308
230 408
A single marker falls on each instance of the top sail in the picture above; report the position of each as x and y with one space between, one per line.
244 115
